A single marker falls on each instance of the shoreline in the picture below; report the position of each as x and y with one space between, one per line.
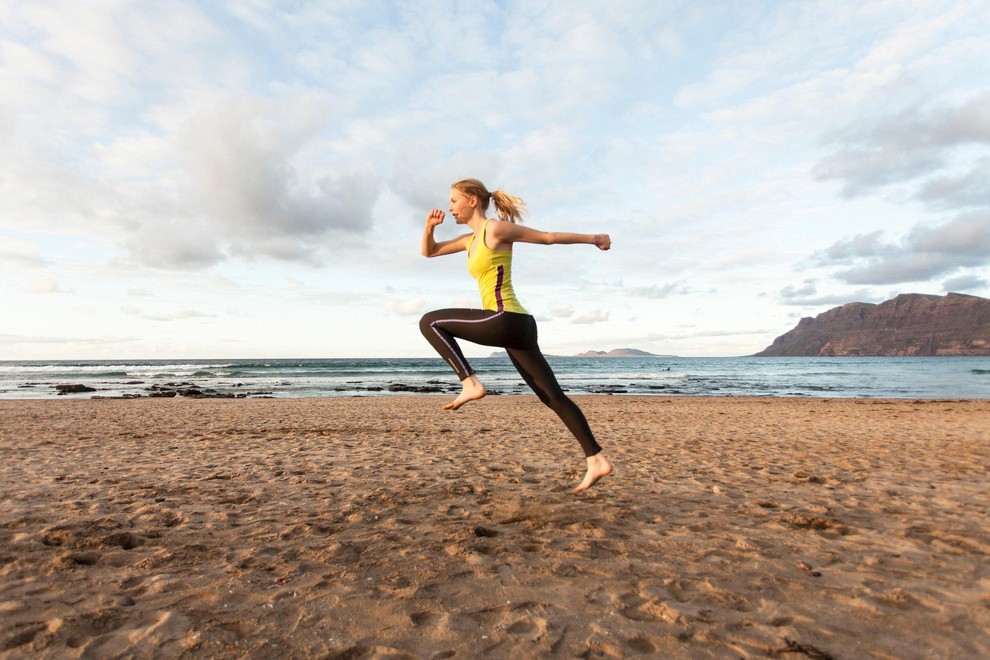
732 525
831 378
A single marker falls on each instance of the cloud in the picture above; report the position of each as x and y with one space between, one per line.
596 316
806 295
806 289
955 191
174 243
866 168
967 237
154 138
240 177
14 340
44 285
964 283
907 145
20 259
177 314
406 307
861 245
660 292
247 170
926 252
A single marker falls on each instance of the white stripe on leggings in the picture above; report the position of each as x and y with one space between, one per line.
453 350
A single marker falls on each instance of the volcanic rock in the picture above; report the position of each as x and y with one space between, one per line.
420 389
74 389
910 324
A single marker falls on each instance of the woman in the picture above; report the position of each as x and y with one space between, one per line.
503 322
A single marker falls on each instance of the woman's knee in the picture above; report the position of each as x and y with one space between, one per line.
552 397
426 321
558 401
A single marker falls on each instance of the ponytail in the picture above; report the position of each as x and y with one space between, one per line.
509 207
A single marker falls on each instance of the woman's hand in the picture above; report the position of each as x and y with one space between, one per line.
434 218
430 248
602 241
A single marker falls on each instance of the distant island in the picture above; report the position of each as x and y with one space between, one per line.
909 324
614 353
619 353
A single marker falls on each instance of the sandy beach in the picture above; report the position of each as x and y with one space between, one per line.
386 527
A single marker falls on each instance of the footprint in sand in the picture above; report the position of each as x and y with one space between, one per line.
23 636
124 540
641 645
424 618
530 629
77 559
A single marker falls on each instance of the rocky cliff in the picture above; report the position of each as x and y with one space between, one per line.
910 324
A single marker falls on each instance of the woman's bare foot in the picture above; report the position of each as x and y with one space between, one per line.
471 390
598 467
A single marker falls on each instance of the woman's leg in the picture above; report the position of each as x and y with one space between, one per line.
440 327
443 327
535 370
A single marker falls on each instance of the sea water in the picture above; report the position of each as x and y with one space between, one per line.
871 377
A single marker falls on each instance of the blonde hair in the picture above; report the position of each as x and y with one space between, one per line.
509 207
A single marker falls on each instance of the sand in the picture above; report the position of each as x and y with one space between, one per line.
386 527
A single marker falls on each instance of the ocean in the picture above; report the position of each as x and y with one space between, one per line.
868 377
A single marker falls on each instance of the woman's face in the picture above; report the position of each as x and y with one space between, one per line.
461 207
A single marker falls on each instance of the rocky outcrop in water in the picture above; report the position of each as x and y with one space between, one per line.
73 388
910 324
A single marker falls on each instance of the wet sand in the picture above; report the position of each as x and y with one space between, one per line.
386 527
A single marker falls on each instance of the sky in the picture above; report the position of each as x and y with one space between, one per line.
250 178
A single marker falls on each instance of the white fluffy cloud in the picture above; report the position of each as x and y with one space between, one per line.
44 285
406 307
925 253
915 142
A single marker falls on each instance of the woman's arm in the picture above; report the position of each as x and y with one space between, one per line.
508 232
430 248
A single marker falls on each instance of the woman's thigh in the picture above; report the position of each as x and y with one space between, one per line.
485 327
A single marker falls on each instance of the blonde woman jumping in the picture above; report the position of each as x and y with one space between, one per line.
502 322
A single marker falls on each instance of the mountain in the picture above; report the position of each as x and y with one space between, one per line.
910 324
619 353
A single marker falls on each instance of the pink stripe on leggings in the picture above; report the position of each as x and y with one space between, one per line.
453 349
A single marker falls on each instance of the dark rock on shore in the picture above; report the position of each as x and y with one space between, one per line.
910 324
608 389
419 389
73 389
191 391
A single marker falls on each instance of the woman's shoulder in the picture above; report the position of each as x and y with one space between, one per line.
499 228
500 233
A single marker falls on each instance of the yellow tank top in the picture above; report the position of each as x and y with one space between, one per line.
493 270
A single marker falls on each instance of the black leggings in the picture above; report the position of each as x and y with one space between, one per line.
516 333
